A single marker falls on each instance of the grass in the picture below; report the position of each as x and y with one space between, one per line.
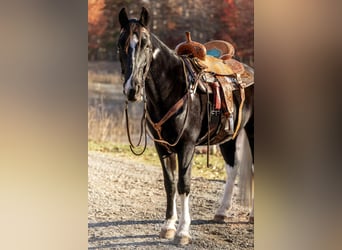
103 78
103 126
104 72
199 168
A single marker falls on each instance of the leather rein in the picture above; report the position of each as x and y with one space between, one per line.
158 125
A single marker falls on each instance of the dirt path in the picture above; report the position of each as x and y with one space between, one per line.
126 207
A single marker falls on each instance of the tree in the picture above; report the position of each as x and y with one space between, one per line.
96 25
230 20
238 26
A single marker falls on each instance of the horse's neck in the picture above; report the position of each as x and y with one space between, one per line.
167 81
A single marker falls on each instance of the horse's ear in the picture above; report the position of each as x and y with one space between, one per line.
144 17
123 18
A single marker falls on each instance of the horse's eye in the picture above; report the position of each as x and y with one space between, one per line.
119 46
143 42
143 39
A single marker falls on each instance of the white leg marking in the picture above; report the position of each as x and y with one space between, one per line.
231 172
171 223
155 53
228 190
133 42
185 220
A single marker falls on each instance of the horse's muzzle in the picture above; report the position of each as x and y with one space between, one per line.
134 94
131 95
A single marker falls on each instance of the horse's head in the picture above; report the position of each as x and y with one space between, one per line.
135 53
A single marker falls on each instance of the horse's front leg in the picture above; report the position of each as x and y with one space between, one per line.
184 177
169 165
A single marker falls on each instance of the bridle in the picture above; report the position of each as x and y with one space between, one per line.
141 87
136 29
157 126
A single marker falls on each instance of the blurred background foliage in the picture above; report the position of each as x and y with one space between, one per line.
229 20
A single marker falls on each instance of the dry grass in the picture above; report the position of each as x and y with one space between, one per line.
94 77
111 127
104 127
104 72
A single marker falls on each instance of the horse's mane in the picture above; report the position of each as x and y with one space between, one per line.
161 44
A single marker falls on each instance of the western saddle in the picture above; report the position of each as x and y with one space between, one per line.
214 71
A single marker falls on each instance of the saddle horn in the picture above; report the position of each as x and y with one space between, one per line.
190 47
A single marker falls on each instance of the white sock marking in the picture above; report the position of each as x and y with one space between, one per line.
228 190
171 223
252 209
185 220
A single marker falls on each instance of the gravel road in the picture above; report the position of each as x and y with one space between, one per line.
126 207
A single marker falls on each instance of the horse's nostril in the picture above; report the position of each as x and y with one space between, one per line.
131 94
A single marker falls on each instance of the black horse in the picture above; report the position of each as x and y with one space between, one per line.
176 117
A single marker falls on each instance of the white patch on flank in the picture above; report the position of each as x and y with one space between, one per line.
155 53
185 220
228 190
132 43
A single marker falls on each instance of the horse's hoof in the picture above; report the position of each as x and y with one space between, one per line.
167 233
182 240
251 219
220 218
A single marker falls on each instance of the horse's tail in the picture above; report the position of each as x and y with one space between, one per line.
245 174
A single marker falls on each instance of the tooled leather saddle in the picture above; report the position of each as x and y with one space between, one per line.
214 71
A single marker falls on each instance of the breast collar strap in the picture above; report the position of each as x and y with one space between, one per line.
173 110
158 125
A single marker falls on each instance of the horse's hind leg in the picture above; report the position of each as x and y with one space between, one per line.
169 165
228 151
251 214
250 135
